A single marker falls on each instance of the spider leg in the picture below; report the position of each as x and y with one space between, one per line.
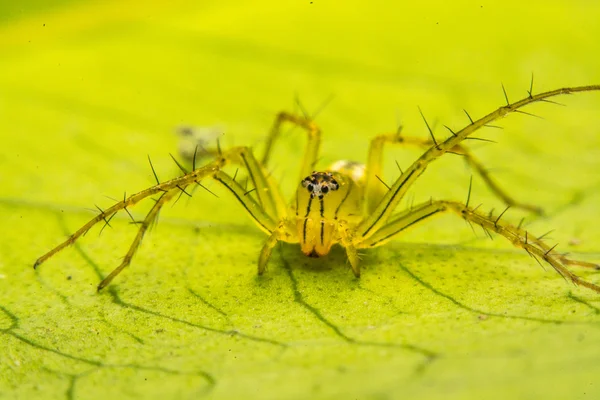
167 191
283 232
311 151
268 192
374 190
144 225
382 212
517 236
264 184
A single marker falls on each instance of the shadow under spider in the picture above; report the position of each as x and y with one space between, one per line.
429 355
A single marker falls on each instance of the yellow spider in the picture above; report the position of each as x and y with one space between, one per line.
344 204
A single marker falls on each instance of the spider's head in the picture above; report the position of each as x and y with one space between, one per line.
319 184
323 200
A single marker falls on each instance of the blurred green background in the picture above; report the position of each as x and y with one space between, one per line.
89 89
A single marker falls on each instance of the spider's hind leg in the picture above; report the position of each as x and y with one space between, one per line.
519 237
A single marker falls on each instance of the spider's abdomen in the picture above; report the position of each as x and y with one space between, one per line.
323 199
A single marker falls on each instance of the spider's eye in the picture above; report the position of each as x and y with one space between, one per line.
324 189
310 187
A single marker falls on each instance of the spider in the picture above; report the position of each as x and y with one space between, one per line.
344 204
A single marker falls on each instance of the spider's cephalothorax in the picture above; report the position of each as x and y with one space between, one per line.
322 200
348 203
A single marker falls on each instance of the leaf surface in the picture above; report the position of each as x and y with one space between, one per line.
89 89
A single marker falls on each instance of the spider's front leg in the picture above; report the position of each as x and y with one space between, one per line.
261 211
374 190
519 237
380 224
386 206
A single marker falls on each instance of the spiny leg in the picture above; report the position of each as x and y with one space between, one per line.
167 190
262 219
311 152
388 203
144 225
375 190
267 191
266 188
253 209
519 237
194 176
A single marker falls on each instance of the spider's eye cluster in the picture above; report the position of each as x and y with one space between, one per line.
319 184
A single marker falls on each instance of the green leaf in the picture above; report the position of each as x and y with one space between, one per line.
89 89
